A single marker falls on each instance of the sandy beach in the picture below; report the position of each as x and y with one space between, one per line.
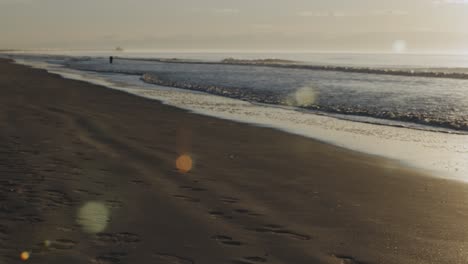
94 175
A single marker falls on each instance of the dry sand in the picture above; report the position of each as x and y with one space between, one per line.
88 175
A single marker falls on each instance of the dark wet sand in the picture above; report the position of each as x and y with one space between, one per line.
255 195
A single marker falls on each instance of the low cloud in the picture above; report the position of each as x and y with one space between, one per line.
15 2
354 14
264 28
451 2
226 11
216 11
389 13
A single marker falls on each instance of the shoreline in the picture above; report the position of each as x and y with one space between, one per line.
253 194
417 71
392 142
409 123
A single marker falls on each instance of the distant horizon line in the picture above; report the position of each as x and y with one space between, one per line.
232 51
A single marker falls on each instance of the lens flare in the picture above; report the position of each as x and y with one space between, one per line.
47 243
93 217
25 255
184 163
303 97
399 46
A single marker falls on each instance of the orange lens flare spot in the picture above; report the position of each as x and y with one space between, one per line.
24 255
184 163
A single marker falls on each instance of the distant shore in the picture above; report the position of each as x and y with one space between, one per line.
177 187
449 73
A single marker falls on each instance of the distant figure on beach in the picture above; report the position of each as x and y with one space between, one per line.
111 59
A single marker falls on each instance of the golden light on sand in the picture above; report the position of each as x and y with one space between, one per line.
184 139
25 255
93 217
184 163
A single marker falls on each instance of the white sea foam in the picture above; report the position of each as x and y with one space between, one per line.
443 155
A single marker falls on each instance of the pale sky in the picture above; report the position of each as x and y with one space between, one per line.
345 25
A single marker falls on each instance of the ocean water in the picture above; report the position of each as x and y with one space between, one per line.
420 120
390 98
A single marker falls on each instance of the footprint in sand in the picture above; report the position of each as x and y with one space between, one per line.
256 259
138 182
280 230
114 204
240 261
65 229
109 258
227 240
61 244
249 260
29 218
220 214
242 211
3 230
230 200
86 192
187 198
194 189
345 259
171 259
118 238
56 198
4 233
103 183
246 211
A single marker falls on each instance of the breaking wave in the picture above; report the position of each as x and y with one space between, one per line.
304 98
451 73
430 99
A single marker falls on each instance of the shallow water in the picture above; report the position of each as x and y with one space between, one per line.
439 103
443 154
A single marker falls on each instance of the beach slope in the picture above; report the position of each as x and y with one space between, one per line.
94 175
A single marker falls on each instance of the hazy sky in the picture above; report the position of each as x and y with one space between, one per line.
360 25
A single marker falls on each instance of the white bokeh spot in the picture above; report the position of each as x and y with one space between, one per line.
399 46
93 217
